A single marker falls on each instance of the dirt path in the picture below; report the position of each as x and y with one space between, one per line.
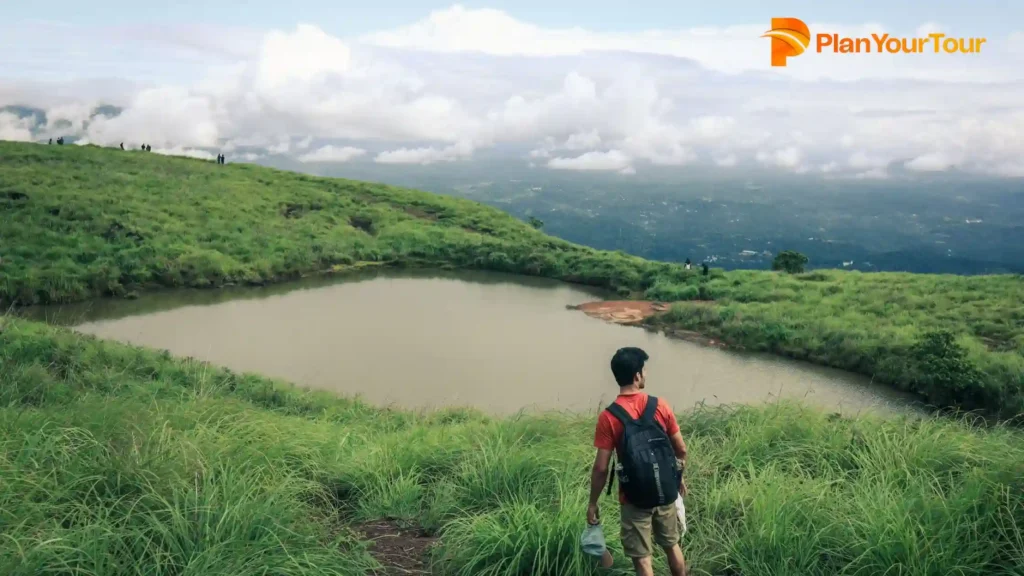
634 312
401 551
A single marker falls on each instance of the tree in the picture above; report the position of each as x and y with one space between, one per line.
536 222
789 261
944 373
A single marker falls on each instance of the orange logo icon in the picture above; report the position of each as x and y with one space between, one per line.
790 37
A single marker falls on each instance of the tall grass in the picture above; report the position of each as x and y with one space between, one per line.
78 222
118 460
874 324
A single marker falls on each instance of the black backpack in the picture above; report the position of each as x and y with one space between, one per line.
649 472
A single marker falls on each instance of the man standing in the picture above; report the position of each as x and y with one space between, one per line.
642 431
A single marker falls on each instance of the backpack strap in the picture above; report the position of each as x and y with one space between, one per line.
620 413
650 410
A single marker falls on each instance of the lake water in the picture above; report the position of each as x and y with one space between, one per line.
421 340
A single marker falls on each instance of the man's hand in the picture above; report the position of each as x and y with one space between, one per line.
682 487
593 515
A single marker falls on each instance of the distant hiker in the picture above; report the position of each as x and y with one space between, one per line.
122 145
643 433
219 159
60 141
705 269
50 142
687 263
143 147
149 148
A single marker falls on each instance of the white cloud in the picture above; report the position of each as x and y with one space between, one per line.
332 154
463 80
1010 169
610 160
712 128
280 148
727 161
929 163
873 174
1015 44
300 58
583 140
628 171
165 117
862 160
928 28
186 152
14 128
731 49
71 117
425 155
785 158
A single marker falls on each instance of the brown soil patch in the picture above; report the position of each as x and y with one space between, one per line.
401 551
634 312
622 311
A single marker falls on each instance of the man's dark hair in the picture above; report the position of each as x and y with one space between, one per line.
627 363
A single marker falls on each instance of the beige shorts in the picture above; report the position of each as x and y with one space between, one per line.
638 524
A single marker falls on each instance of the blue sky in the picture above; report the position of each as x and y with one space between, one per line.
977 17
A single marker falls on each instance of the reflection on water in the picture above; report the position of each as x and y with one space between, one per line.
418 339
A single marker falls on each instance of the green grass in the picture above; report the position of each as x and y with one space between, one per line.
116 460
79 222
873 324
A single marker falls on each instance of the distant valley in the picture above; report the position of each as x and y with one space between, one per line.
955 224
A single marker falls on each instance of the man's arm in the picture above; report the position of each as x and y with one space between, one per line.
598 476
680 447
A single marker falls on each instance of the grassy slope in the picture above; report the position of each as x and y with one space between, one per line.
117 460
81 221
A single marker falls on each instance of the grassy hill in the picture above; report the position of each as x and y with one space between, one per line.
118 461
79 222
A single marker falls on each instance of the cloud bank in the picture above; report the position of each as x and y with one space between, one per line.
331 153
461 81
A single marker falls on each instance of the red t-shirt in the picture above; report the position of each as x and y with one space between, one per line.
609 429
